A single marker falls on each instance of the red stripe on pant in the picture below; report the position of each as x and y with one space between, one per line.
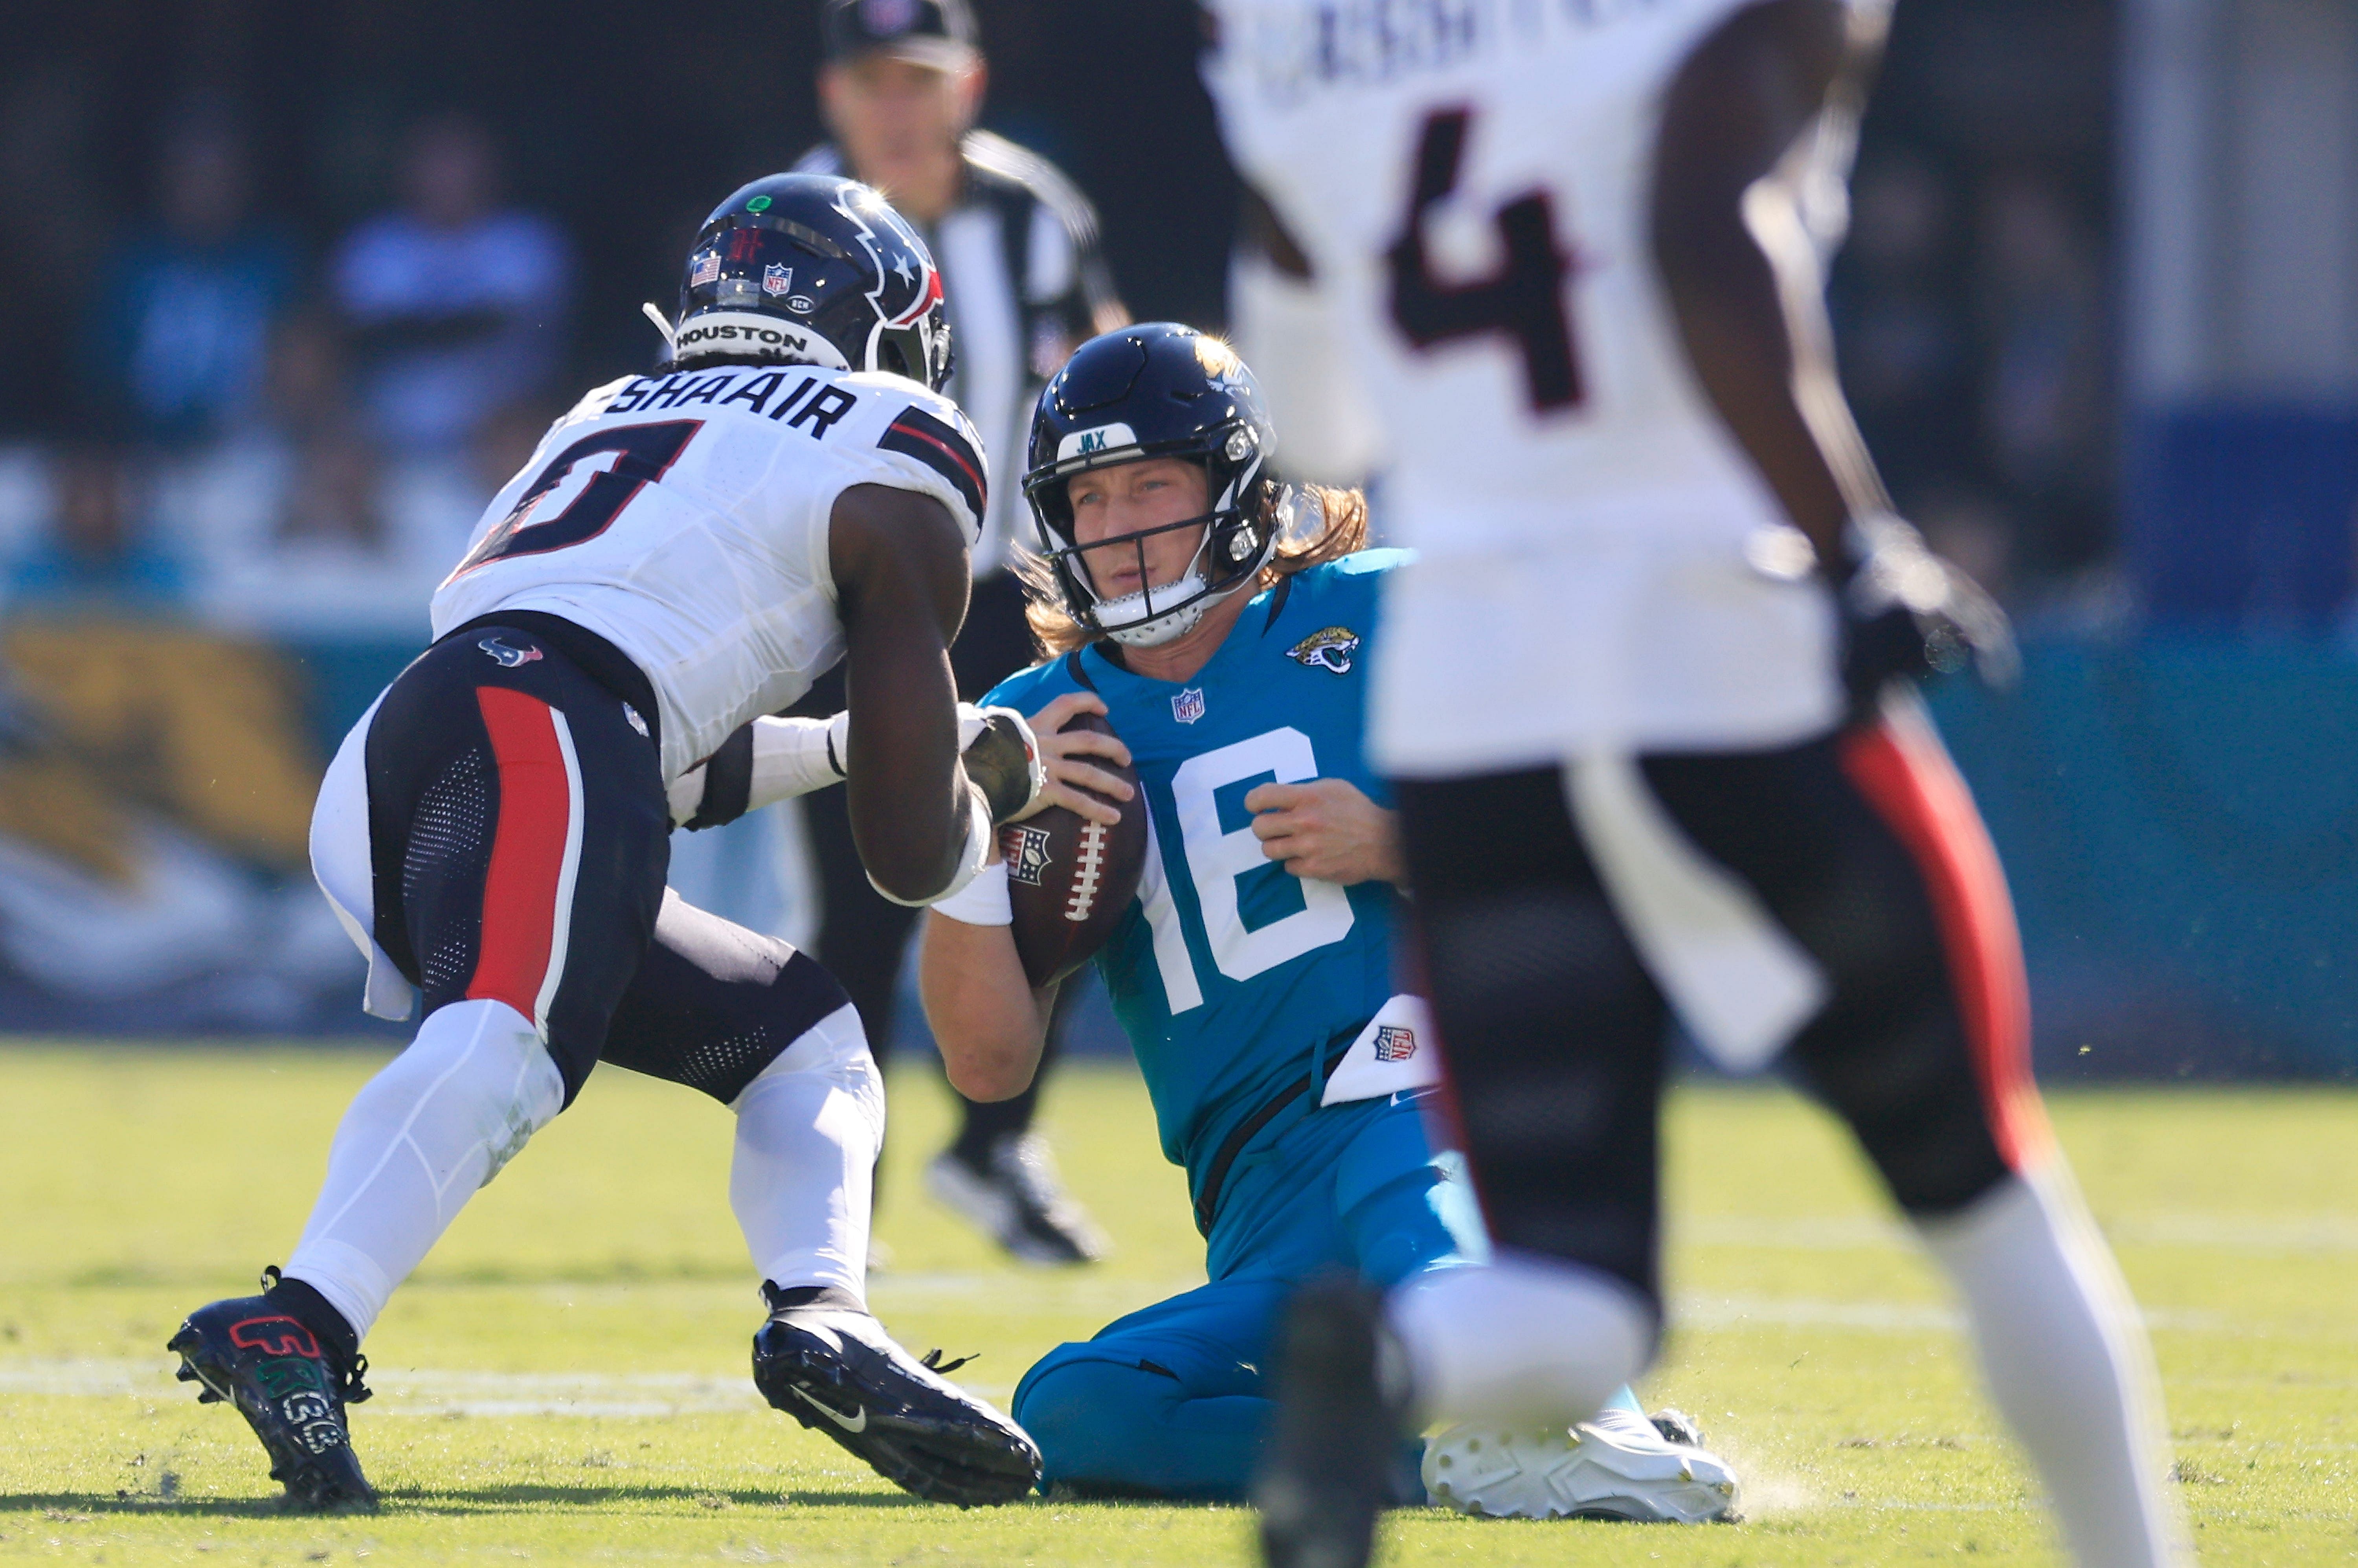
1905 775
527 865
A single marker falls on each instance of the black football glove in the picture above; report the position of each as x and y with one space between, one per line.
1002 759
1906 612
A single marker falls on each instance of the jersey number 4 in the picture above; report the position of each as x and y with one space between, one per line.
1523 299
642 454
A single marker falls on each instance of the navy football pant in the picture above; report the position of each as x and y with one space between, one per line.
1862 849
519 835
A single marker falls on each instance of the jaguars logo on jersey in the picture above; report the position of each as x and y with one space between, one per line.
1331 649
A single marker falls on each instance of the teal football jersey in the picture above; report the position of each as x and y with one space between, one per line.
1231 976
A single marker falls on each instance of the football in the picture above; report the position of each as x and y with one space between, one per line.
1069 880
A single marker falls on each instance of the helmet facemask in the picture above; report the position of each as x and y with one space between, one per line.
1240 534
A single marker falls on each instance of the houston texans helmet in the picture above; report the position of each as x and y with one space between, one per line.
811 269
1156 390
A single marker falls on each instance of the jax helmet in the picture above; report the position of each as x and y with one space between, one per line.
1156 390
810 269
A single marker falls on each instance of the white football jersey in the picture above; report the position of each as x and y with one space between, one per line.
684 518
1470 180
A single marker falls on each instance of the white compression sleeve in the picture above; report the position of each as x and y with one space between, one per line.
2069 1364
791 757
1524 1339
808 1130
417 1142
794 756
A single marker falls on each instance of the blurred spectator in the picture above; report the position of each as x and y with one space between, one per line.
1906 335
2046 404
177 333
52 236
456 306
95 556
331 501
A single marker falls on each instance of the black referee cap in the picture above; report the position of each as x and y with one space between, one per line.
939 33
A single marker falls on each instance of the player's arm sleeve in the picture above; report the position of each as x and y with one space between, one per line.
765 761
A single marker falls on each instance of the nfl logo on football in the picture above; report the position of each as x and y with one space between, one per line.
1027 854
776 278
1188 706
1394 1043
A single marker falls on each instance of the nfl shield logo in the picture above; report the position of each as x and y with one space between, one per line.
1188 706
707 270
1027 854
776 278
1394 1043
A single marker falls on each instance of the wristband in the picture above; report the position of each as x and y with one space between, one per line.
982 902
974 855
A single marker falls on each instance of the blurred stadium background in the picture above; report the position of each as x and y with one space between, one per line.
2099 313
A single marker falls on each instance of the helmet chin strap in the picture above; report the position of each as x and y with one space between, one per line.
1167 627
662 325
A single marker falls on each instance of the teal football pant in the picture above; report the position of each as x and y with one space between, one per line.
1170 1401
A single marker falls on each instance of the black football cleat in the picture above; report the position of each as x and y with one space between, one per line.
825 1361
249 1353
1326 1474
1015 1198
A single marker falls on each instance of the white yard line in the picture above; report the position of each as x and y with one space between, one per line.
427 1391
2326 1233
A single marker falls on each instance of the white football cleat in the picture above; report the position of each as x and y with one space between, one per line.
1617 1466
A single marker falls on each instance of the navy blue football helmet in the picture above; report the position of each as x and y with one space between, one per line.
1156 390
811 269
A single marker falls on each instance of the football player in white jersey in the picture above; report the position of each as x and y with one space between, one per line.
684 553
1644 699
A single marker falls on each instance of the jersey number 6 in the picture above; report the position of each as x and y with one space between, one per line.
1523 299
641 453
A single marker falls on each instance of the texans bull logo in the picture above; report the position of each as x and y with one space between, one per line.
509 657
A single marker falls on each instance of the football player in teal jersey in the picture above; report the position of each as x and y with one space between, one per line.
1222 622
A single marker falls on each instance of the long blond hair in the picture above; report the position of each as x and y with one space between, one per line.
1342 531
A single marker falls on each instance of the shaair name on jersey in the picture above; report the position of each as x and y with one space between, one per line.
1297 48
817 414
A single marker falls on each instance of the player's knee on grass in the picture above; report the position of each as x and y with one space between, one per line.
1131 1428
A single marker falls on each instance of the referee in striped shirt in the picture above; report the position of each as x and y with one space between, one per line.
1025 284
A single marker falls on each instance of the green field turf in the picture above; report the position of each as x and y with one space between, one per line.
566 1379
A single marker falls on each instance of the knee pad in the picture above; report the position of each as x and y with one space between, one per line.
1097 1420
1523 1340
477 1075
835 1051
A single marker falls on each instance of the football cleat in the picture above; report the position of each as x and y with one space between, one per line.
1016 1200
249 1353
829 1363
1621 1467
1325 1475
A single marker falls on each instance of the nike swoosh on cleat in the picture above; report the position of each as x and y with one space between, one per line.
849 1423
